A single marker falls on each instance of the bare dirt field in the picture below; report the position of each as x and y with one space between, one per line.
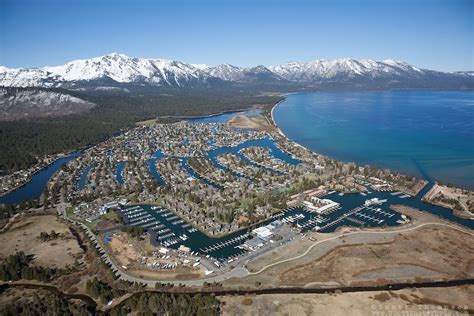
135 256
429 301
426 253
23 236
255 122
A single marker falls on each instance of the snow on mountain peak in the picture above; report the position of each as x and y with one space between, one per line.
118 67
122 69
321 69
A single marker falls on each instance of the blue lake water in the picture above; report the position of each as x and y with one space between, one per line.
429 134
34 188
152 166
262 142
84 177
119 172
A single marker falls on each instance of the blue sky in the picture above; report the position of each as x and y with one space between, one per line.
430 34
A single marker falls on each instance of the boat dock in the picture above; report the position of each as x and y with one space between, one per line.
220 245
156 227
171 218
355 221
379 211
156 222
312 223
341 218
369 218
165 236
162 231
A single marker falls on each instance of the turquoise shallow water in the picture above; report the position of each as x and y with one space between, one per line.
428 134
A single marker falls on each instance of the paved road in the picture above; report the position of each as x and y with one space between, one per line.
239 272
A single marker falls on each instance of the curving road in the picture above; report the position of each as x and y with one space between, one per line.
358 233
240 272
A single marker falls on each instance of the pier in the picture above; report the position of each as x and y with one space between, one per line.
220 245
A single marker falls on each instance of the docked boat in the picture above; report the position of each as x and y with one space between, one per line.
374 201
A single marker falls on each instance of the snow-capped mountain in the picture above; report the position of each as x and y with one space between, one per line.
118 70
225 72
321 70
113 67
233 73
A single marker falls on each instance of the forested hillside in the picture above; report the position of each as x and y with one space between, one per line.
22 141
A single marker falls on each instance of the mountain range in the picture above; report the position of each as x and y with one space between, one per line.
118 72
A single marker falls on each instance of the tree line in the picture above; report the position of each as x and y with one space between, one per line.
22 142
101 290
45 304
154 303
16 267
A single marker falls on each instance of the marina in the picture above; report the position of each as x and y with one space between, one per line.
168 229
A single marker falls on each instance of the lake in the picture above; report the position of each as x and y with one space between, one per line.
428 134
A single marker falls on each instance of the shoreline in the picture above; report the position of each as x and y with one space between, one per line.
60 156
272 119
432 192
274 124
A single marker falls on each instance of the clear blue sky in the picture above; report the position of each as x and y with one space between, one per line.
431 34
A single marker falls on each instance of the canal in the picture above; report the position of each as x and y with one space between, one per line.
119 176
33 188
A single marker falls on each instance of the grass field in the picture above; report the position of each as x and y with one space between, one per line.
432 252
434 301
23 236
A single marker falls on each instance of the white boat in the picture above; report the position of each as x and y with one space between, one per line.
374 201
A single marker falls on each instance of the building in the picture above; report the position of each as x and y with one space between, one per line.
321 206
328 207
185 249
263 233
310 206
254 243
110 205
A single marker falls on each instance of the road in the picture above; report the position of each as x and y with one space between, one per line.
240 272
403 230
